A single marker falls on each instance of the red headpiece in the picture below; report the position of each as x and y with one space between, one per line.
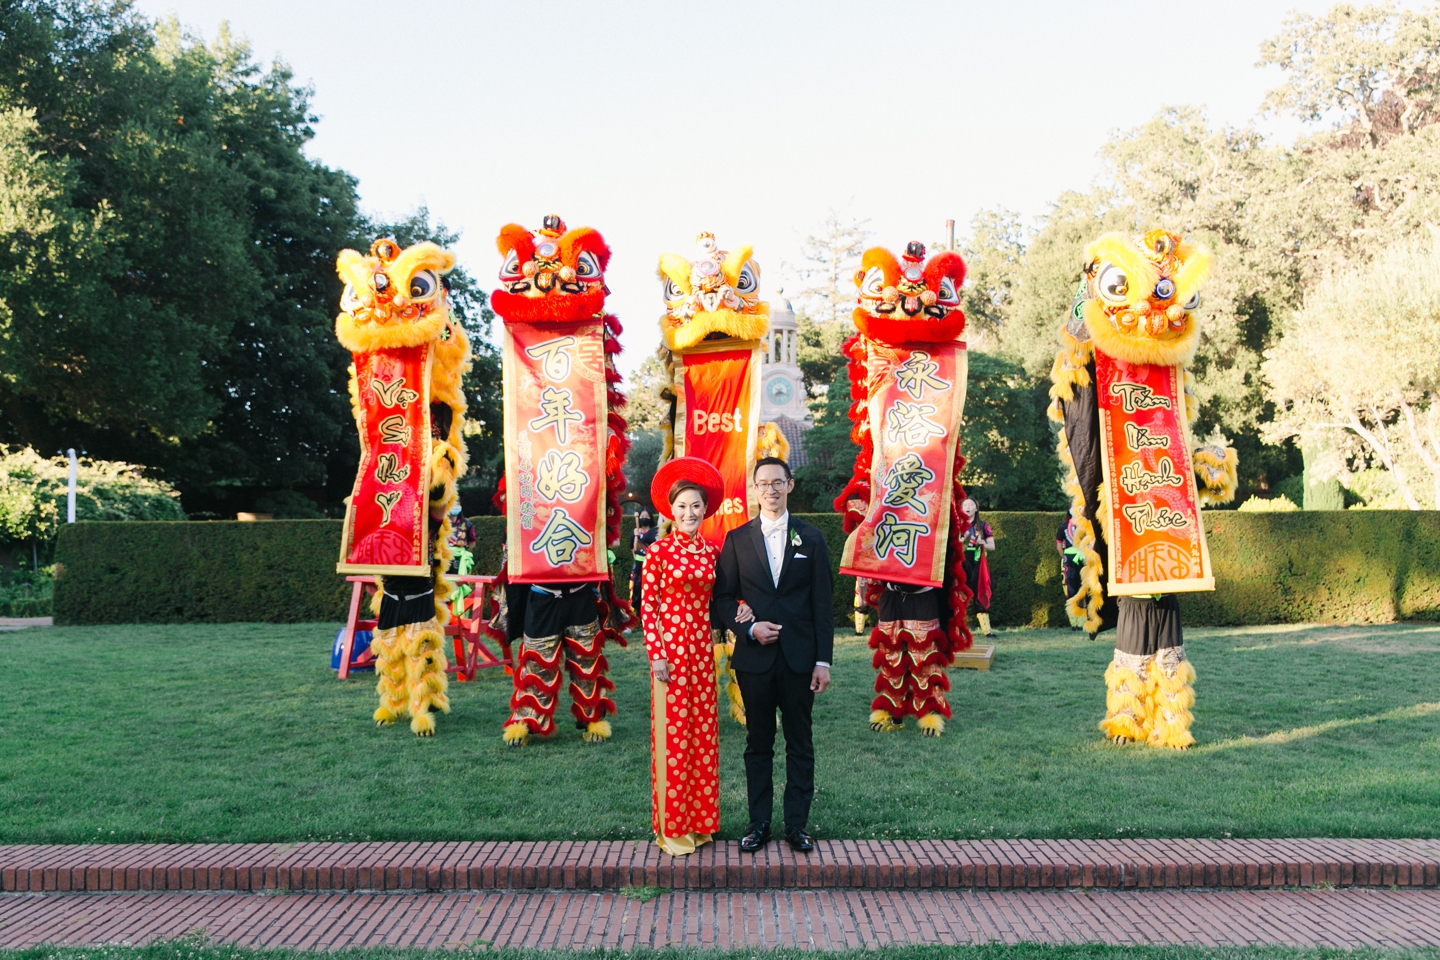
686 468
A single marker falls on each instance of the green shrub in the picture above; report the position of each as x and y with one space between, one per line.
1369 566
33 493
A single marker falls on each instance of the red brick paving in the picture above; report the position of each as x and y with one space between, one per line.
826 919
592 865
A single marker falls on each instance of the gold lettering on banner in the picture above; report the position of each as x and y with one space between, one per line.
554 356
388 469
393 393
1137 396
559 476
394 430
917 373
561 539
556 410
1160 561
1139 438
1134 478
1147 516
903 482
386 502
900 536
908 423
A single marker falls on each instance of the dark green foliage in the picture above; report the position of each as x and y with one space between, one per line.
1008 445
641 463
181 314
830 452
1366 566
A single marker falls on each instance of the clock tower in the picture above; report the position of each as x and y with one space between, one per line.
782 391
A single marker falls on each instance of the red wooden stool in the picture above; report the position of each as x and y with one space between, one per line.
471 651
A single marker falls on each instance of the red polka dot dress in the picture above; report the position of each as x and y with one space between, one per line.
684 728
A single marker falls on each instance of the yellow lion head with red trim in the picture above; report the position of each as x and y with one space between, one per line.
714 295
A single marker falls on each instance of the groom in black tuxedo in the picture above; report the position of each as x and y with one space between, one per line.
780 567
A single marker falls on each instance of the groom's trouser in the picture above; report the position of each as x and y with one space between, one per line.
784 689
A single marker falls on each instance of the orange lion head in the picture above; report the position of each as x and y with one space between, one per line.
910 299
551 274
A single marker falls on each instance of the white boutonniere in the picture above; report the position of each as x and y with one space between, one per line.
794 538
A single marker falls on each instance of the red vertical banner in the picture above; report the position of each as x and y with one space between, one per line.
1156 539
720 409
385 528
555 436
916 398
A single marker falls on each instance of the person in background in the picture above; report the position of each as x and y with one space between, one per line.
979 540
1070 562
462 536
640 542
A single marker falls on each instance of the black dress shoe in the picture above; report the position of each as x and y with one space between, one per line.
799 840
758 836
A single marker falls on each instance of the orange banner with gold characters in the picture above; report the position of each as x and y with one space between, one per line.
555 436
386 530
916 399
720 409
1156 538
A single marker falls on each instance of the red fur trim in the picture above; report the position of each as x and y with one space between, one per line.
584 239
515 237
894 330
535 726
499 498
953 586
596 713
858 489
554 307
946 263
612 323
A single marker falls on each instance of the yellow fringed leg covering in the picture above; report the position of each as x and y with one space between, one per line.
425 681
1126 710
1171 697
725 677
932 724
389 675
882 721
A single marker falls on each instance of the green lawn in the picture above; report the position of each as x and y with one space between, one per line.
240 733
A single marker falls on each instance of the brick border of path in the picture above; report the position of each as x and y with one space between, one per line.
610 865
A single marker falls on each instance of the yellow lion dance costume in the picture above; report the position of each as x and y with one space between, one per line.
395 299
713 326
1126 348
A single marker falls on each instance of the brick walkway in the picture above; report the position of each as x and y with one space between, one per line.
819 918
879 865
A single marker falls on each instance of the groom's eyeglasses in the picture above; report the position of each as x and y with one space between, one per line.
770 484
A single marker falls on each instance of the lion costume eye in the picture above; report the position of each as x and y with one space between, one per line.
1194 301
874 283
947 292
672 291
510 269
749 279
587 267
1164 289
1114 285
423 285
348 301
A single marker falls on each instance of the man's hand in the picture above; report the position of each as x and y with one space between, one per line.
661 670
819 679
765 632
743 613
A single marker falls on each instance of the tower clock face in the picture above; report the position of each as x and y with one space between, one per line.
779 391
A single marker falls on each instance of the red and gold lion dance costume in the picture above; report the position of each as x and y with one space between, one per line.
907 377
410 355
713 326
565 447
1125 397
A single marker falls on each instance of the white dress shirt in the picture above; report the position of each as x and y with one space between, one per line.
774 533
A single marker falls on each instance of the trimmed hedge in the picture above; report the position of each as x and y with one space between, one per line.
1367 566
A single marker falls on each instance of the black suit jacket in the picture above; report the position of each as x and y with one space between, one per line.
801 603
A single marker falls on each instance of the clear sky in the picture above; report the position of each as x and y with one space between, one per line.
653 121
